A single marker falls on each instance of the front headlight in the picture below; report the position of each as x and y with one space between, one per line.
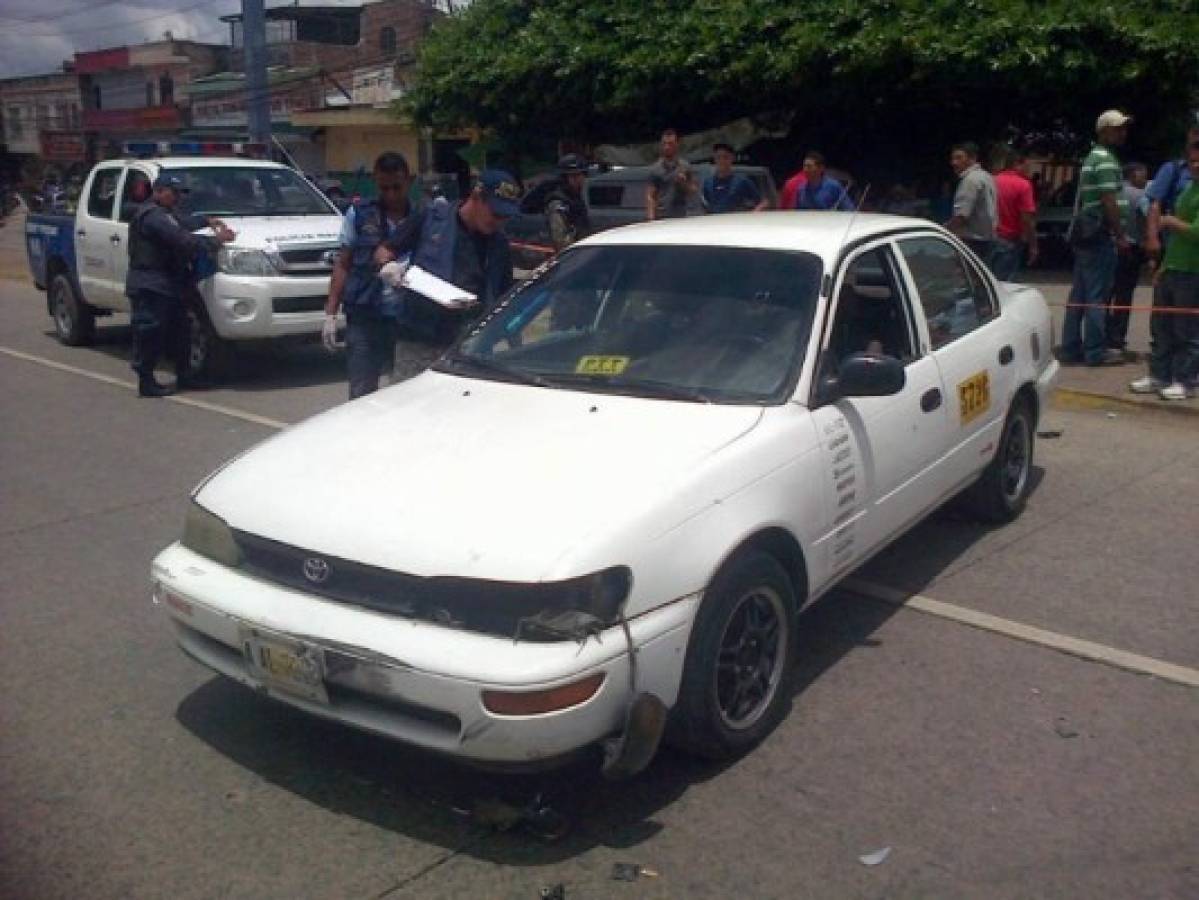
208 535
244 261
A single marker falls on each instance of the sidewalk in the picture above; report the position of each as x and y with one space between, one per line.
1105 386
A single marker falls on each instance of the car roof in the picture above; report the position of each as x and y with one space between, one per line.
213 162
822 233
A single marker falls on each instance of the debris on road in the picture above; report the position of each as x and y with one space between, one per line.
631 872
1063 728
875 858
537 818
1050 433
553 892
1111 415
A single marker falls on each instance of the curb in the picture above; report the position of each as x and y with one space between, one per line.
1081 399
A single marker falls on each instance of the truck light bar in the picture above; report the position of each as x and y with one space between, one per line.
151 149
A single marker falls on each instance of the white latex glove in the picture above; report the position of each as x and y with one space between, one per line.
329 334
393 273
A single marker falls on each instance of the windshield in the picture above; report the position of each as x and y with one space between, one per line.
246 191
702 324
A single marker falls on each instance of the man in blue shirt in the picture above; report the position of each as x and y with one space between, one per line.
1167 186
729 191
820 191
371 310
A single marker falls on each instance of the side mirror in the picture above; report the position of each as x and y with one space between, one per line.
864 375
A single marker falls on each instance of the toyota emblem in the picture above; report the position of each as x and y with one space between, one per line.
316 570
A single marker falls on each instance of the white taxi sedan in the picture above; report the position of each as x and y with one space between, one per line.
595 519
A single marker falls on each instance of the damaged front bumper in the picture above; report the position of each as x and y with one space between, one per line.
417 681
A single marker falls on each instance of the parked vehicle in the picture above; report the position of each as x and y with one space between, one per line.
614 198
269 283
601 512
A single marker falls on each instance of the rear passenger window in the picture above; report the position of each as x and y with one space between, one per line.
102 197
953 295
605 195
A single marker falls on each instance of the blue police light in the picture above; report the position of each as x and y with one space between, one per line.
141 149
187 148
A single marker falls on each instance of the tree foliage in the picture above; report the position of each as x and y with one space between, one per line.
887 75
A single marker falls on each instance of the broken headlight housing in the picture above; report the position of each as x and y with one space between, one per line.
207 534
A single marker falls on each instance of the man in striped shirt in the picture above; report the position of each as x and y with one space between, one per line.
1098 238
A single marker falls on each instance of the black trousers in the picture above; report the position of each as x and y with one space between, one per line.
1128 272
160 326
1174 337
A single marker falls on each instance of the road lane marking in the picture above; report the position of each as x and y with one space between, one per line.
1088 650
230 411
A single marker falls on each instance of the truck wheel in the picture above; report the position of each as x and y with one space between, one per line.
73 320
737 677
209 354
1000 494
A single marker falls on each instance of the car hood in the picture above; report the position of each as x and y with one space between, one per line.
444 475
269 232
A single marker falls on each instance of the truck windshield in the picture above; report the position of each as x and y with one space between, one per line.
697 324
246 191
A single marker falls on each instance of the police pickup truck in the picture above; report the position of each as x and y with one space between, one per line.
271 282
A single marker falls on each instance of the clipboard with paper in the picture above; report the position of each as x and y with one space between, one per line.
425 283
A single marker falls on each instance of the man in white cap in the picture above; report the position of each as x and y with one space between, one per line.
1097 236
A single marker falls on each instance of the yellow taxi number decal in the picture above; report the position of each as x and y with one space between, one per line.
601 365
974 396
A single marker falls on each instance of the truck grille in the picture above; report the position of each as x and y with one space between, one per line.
297 304
306 259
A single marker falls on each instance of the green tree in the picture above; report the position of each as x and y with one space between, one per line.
885 79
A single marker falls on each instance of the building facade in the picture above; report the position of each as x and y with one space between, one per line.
42 117
141 92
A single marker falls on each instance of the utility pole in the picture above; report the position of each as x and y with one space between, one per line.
258 104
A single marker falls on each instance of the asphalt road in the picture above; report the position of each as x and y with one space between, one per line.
992 767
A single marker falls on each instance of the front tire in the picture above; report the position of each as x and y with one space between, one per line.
74 322
1001 493
208 354
737 676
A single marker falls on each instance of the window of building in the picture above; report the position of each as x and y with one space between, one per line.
150 93
387 41
96 104
13 121
166 90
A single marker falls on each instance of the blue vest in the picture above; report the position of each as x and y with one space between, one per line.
363 287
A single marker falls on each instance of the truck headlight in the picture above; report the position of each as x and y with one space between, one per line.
208 535
243 261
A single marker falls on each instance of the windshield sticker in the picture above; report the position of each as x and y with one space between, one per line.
601 365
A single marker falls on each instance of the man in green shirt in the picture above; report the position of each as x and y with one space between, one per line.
1100 201
1174 325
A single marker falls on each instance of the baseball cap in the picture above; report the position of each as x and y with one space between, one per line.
572 164
501 192
1113 118
167 180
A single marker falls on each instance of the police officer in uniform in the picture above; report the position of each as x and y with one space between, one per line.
565 209
372 309
162 252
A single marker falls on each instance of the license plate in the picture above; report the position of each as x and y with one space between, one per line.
285 664
974 396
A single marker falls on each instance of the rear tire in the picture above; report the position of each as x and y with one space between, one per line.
737 677
1001 493
74 322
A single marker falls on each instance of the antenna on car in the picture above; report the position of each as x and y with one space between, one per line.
828 278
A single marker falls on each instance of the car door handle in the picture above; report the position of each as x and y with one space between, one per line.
1006 355
931 400
116 238
81 232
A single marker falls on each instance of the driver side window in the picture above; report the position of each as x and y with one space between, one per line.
871 314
